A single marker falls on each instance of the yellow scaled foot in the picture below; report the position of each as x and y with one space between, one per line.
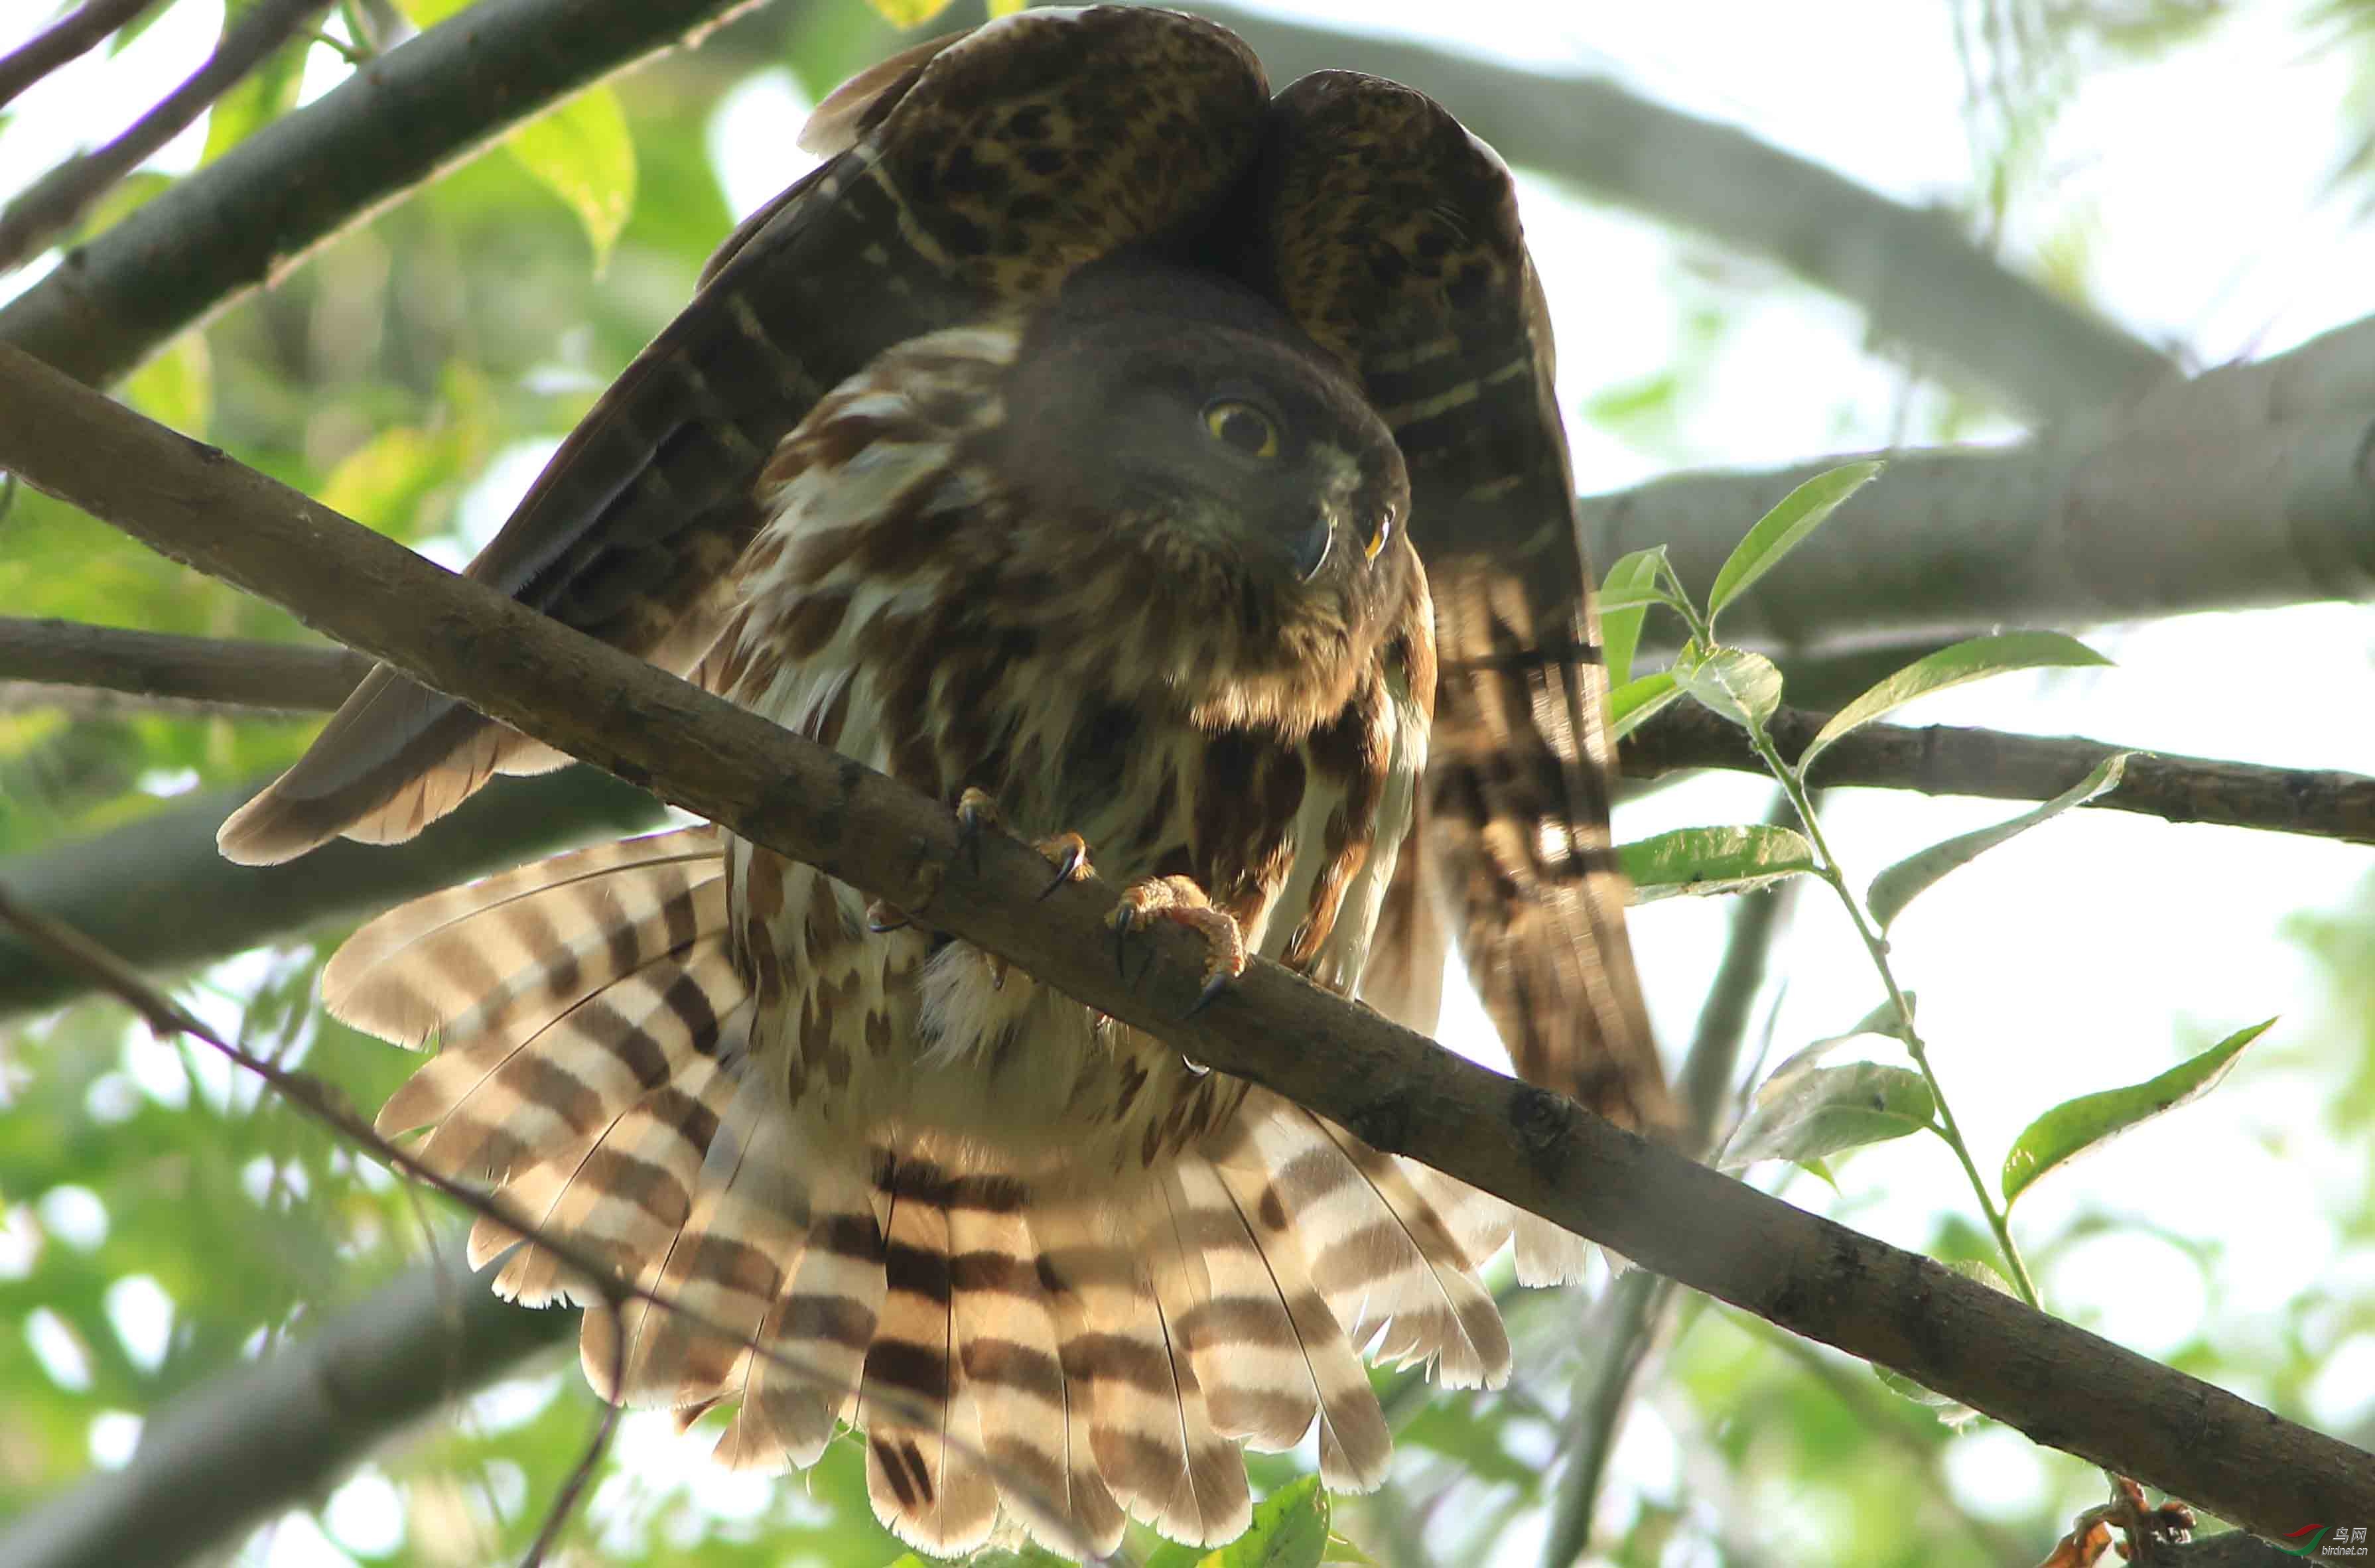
1179 898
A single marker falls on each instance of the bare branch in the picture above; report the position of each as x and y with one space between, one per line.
58 199
1921 282
1993 765
105 885
1394 1089
68 654
64 40
254 212
260 1437
2249 486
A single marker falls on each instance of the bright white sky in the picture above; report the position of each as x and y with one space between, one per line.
2096 952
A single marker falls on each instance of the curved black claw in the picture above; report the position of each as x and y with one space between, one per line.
973 826
882 918
1204 998
1075 856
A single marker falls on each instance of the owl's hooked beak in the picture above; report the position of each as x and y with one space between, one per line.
1308 549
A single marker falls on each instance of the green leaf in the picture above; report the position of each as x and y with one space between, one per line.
1733 684
1632 704
262 96
2075 1125
176 387
581 152
1782 529
1289 1530
1006 8
1965 662
1623 606
425 14
1700 861
911 13
1812 1111
1909 877
383 483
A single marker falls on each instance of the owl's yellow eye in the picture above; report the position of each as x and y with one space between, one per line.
1243 426
1380 535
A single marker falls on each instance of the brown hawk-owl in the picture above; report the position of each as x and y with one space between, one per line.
1100 371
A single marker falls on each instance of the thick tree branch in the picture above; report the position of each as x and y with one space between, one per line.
1922 284
263 1437
153 664
68 37
2249 486
58 199
1395 1089
250 213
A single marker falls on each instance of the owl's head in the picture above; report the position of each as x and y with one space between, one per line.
1184 423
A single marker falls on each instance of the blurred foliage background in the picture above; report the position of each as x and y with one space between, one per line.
160 1222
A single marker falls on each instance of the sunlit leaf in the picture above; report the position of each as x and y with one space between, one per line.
1623 608
1909 877
1814 1112
909 13
176 387
1733 684
2075 1125
581 152
1699 861
1289 1530
383 483
1882 1023
1782 529
427 13
1634 704
1965 662
1007 7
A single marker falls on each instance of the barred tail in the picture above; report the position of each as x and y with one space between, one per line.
1069 1355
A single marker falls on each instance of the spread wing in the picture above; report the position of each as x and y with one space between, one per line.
966 176
1391 234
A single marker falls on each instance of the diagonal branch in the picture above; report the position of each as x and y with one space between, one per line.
58 199
1394 1089
254 212
64 39
264 1436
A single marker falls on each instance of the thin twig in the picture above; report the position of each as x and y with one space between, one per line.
64 39
1994 765
59 198
1633 1317
564 1502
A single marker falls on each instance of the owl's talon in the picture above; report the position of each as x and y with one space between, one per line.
1179 898
1204 998
1069 853
883 917
977 814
